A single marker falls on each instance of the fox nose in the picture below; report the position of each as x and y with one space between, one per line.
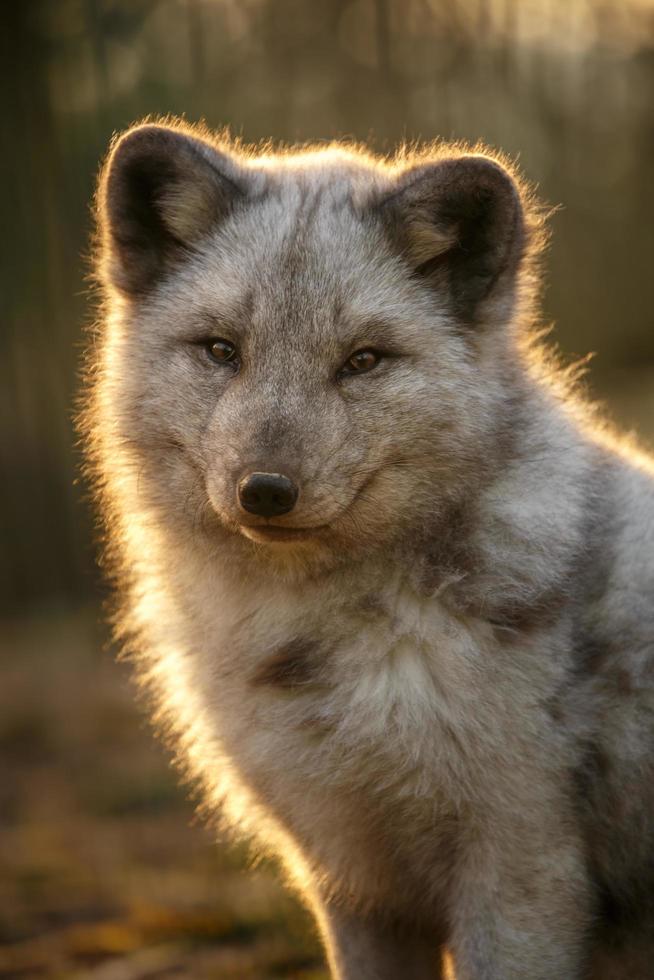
267 494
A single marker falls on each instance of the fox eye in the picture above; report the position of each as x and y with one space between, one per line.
221 351
360 362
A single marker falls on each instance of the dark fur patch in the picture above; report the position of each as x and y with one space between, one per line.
373 606
291 667
591 650
447 553
592 653
623 680
528 617
594 768
555 709
626 913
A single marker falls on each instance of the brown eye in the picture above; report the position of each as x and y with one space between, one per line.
221 351
360 362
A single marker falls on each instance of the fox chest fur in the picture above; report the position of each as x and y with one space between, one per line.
347 714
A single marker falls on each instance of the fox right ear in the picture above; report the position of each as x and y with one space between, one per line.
161 192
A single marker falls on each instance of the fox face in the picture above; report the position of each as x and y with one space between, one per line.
306 353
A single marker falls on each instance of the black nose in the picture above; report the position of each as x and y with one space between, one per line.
267 494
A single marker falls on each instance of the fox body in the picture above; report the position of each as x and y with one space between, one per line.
389 580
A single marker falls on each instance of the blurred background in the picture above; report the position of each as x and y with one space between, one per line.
105 872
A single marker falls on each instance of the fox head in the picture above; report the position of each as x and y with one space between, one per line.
305 353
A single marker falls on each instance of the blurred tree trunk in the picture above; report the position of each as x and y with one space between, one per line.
36 369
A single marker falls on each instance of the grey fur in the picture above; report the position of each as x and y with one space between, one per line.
435 705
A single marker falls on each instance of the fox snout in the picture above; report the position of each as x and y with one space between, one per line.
266 494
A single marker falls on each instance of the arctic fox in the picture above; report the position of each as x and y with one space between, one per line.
390 581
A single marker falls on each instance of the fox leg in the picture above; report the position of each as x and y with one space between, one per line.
517 917
367 949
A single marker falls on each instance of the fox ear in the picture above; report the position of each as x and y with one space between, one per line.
460 224
160 193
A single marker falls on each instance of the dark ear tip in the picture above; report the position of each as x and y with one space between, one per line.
484 166
484 173
469 181
143 140
481 190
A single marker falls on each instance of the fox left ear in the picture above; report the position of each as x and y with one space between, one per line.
161 192
460 224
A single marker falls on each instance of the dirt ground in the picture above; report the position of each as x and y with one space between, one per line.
105 872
